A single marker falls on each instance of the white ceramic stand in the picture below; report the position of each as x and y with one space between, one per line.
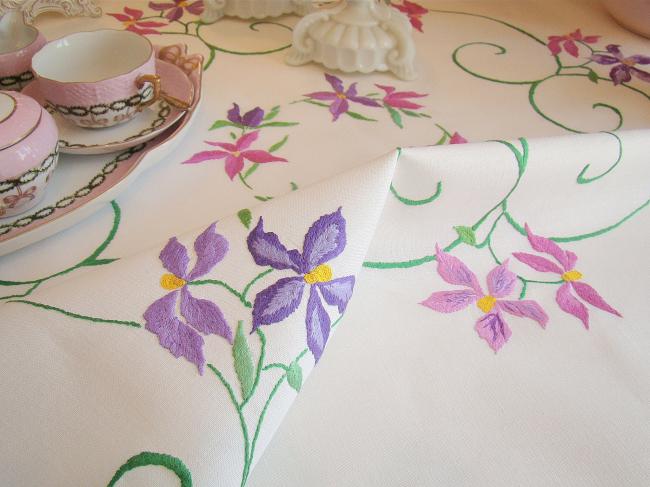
253 9
356 36
69 8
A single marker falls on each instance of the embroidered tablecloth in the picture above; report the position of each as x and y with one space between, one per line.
495 292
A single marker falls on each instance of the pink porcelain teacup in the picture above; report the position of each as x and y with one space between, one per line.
18 44
98 79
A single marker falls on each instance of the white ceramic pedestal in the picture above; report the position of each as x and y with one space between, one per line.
356 36
253 9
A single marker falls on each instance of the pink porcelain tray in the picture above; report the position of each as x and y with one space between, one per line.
83 185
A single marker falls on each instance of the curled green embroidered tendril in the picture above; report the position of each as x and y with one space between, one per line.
147 458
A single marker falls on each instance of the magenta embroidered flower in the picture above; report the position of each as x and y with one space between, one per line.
569 42
625 66
414 12
250 119
400 99
131 21
571 277
182 338
500 282
324 240
235 154
177 7
456 138
341 97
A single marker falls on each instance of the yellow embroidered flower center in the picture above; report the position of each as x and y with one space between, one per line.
341 96
170 282
628 62
486 303
129 23
572 276
182 4
236 153
322 273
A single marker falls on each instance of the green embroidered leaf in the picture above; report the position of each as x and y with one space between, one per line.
425 115
466 235
593 76
442 139
278 145
263 198
251 170
273 113
221 123
278 124
394 114
370 95
245 217
410 113
233 136
317 103
294 186
244 367
294 376
358 116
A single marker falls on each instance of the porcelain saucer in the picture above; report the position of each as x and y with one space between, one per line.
145 126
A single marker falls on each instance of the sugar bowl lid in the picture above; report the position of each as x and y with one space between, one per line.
19 117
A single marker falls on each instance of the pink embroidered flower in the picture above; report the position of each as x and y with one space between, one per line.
625 66
500 282
131 21
400 99
569 42
341 97
14 200
413 11
177 7
456 138
235 154
183 338
571 277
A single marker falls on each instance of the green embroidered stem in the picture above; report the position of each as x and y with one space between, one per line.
276 366
501 50
147 458
250 284
91 260
240 414
222 284
519 228
411 202
76 315
583 180
522 162
243 180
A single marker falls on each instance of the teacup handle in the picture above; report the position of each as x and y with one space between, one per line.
154 79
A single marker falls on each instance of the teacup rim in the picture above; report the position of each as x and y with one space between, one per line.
26 46
41 51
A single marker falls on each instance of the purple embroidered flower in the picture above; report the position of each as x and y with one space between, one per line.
324 240
341 97
182 338
625 66
571 277
500 282
176 8
250 119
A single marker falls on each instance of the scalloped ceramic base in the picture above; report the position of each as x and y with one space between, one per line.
357 36
253 9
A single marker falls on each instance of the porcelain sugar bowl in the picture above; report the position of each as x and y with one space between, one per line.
28 152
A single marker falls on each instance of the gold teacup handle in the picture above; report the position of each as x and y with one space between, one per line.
154 79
